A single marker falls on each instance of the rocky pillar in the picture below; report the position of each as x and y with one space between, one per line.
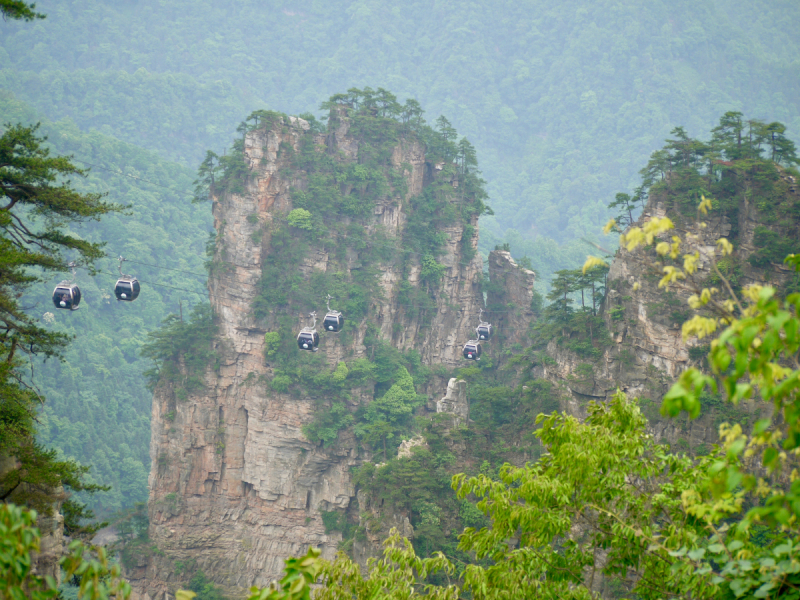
455 402
509 298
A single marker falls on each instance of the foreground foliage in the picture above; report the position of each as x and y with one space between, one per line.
19 538
608 510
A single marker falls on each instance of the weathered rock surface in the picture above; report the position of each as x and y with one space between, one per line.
235 485
404 451
455 402
647 351
509 299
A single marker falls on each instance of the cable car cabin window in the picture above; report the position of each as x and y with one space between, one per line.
307 340
127 289
333 322
123 290
484 332
472 351
62 299
66 296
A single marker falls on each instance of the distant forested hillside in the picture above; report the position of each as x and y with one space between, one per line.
97 407
563 101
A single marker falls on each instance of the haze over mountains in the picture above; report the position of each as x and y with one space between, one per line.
564 103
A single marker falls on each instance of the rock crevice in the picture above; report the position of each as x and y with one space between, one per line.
236 486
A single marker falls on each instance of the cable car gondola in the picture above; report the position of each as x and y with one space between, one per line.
127 288
484 329
67 294
334 320
308 338
472 350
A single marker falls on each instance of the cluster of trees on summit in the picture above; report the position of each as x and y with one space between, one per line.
562 103
659 523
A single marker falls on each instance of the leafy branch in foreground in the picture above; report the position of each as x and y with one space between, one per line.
19 538
17 9
750 501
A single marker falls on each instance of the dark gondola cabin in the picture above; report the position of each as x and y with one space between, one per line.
334 321
66 296
127 289
308 339
484 331
472 350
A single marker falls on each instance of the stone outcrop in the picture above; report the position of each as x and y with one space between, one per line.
647 351
404 451
509 298
455 402
235 485
52 544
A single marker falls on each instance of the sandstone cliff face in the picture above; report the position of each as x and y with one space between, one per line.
509 298
647 351
235 485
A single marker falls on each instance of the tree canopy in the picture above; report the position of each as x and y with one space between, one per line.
38 207
17 9
608 509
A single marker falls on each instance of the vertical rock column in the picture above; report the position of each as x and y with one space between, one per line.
509 298
235 486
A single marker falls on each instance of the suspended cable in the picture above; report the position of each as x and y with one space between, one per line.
212 294
130 260
114 275
275 218
123 174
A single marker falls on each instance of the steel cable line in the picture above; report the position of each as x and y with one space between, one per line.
116 275
130 260
190 194
123 174
209 293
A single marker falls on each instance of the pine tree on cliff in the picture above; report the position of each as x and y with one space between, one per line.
37 203
16 9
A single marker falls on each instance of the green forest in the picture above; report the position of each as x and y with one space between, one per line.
563 104
99 387
563 107
568 108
